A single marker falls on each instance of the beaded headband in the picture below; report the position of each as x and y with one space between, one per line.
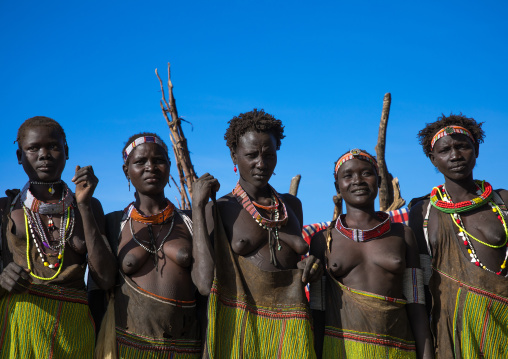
139 141
356 154
450 130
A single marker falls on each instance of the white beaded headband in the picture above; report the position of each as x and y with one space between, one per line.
139 141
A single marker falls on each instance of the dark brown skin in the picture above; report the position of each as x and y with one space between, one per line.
256 157
43 155
455 157
376 266
148 169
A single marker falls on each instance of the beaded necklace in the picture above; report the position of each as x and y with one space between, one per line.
51 189
159 218
272 226
464 206
360 235
32 209
466 237
35 205
249 206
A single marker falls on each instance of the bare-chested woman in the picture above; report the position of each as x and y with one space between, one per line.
462 226
155 298
367 309
257 306
47 233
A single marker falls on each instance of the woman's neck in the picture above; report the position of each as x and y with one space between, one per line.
260 195
461 190
361 217
150 204
42 193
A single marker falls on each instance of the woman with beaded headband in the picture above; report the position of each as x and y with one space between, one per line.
370 303
462 234
152 312
255 263
48 234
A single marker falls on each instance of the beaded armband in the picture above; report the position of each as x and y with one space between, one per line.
412 286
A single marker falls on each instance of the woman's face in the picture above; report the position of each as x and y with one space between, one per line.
454 156
256 157
43 154
148 168
357 182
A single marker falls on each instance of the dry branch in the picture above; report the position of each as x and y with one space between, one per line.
295 183
398 201
182 155
386 188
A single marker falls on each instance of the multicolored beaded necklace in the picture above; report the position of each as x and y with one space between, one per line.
464 206
271 225
465 236
159 218
359 235
35 227
249 206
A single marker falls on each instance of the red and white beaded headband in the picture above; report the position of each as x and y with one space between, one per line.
450 130
139 141
355 154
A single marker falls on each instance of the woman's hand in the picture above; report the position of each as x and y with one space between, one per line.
204 188
86 182
15 279
312 269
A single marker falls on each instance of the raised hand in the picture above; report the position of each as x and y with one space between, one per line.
204 188
86 182
15 279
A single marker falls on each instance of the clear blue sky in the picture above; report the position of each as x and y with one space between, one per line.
322 69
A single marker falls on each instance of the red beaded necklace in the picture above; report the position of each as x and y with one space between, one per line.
359 235
464 206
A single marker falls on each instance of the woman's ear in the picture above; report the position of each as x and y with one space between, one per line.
19 153
232 153
379 180
337 187
125 170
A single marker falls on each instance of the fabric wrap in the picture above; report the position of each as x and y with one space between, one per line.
360 324
47 322
254 313
469 316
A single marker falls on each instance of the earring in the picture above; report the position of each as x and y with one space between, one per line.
19 162
235 169
169 184
274 174
129 181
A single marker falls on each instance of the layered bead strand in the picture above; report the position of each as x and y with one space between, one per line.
466 237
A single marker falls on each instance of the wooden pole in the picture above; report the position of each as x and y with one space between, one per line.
295 183
386 188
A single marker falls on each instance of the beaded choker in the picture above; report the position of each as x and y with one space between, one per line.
359 235
249 206
51 189
158 218
35 205
447 206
